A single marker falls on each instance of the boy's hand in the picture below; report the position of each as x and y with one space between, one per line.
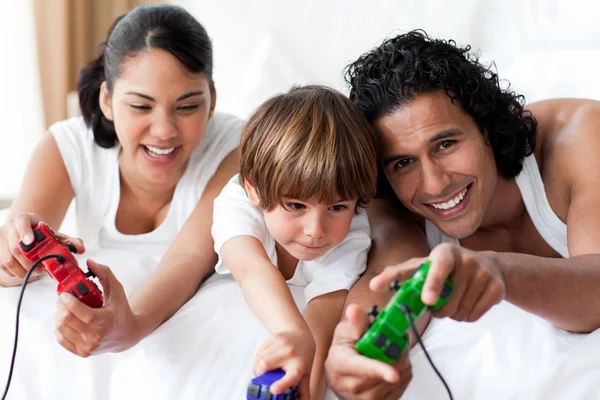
292 351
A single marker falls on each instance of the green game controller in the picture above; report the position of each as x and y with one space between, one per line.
387 337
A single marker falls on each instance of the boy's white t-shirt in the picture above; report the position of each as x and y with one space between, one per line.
94 176
339 268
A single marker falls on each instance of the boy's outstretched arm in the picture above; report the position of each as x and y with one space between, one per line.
322 315
292 345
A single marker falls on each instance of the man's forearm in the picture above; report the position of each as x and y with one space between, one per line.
562 291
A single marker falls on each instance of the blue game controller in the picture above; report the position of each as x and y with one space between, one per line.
258 388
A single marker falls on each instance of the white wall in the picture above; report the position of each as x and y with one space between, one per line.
21 113
546 48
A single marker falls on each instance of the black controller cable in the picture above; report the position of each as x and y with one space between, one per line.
406 312
61 260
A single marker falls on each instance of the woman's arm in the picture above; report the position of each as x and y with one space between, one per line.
187 263
45 194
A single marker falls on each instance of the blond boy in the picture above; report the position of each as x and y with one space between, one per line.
294 216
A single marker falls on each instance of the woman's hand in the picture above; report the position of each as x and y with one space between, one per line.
89 331
291 351
13 264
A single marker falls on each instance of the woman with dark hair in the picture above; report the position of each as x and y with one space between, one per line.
501 192
143 165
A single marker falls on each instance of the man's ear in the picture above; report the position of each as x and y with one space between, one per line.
106 102
252 193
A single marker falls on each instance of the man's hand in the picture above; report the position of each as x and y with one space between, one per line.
354 376
291 351
478 282
86 331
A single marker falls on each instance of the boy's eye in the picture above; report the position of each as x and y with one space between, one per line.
403 163
296 206
339 207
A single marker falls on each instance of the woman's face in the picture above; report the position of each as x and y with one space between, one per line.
160 111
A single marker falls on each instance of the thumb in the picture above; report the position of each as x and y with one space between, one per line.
110 285
359 320
68 240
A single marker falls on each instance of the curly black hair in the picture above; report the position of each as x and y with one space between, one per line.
408 65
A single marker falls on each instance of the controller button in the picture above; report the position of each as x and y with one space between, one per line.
268 395
39 236
82 289
392 351
72 292
27 247
254 391
446 290
71 248
380 340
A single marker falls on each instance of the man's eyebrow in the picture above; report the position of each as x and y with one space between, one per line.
445 134
182 97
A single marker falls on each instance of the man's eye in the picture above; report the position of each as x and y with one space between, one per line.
445 144
405 162
296 206
339 207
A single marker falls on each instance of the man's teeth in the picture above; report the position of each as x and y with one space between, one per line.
159 152
452 203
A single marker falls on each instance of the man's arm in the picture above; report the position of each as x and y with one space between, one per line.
565 291
322 314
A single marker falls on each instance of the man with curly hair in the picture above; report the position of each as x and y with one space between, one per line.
506 196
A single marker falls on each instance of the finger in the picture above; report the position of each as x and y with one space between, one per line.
493 294
69 333
358 322
16 261
111 286
24 224
471 297
79 310
65 318
5 270
68 344
349 363
76 242
292 377
304 389
461 280
401 272
443 262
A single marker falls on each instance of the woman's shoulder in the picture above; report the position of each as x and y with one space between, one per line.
223 123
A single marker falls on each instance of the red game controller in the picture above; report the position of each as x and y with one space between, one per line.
69 276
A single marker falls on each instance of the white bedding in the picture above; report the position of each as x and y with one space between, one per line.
206 351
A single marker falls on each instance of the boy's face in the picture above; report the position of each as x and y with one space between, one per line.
307 230
438 163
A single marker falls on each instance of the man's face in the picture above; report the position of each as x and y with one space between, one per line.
438 163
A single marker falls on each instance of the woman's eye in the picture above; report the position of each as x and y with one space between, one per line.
296 206
139 107
190 107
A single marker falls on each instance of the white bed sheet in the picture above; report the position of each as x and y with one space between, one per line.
206 351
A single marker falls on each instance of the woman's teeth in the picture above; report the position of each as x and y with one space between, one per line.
155 151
